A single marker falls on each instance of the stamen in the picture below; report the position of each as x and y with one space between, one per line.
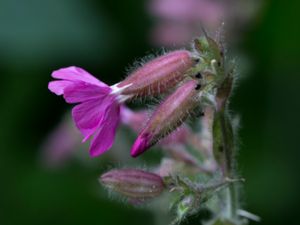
118 90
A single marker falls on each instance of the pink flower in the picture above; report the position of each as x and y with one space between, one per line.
60 144
188 10
180 20
172 34
98 111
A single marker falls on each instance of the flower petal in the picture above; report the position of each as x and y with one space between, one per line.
81 92
73 73
89 115
58 86
105 136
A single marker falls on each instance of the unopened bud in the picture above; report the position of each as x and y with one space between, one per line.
168 116
158 75
134 184
209 47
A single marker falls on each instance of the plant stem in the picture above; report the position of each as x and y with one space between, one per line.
228 148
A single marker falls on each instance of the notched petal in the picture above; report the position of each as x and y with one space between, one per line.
58 86
74 73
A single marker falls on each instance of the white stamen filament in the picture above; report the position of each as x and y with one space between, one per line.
117 90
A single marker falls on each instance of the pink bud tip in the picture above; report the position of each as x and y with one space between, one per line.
142 143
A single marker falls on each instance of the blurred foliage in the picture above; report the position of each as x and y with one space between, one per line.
105 37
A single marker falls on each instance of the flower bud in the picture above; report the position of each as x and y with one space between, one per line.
158 75
136 185
168 116
209 47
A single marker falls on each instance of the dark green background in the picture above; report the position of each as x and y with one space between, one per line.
105 37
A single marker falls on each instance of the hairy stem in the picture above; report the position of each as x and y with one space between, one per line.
228 146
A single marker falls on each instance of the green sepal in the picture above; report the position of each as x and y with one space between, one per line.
224 91
223 144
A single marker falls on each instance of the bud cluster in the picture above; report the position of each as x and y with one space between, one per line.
199 157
